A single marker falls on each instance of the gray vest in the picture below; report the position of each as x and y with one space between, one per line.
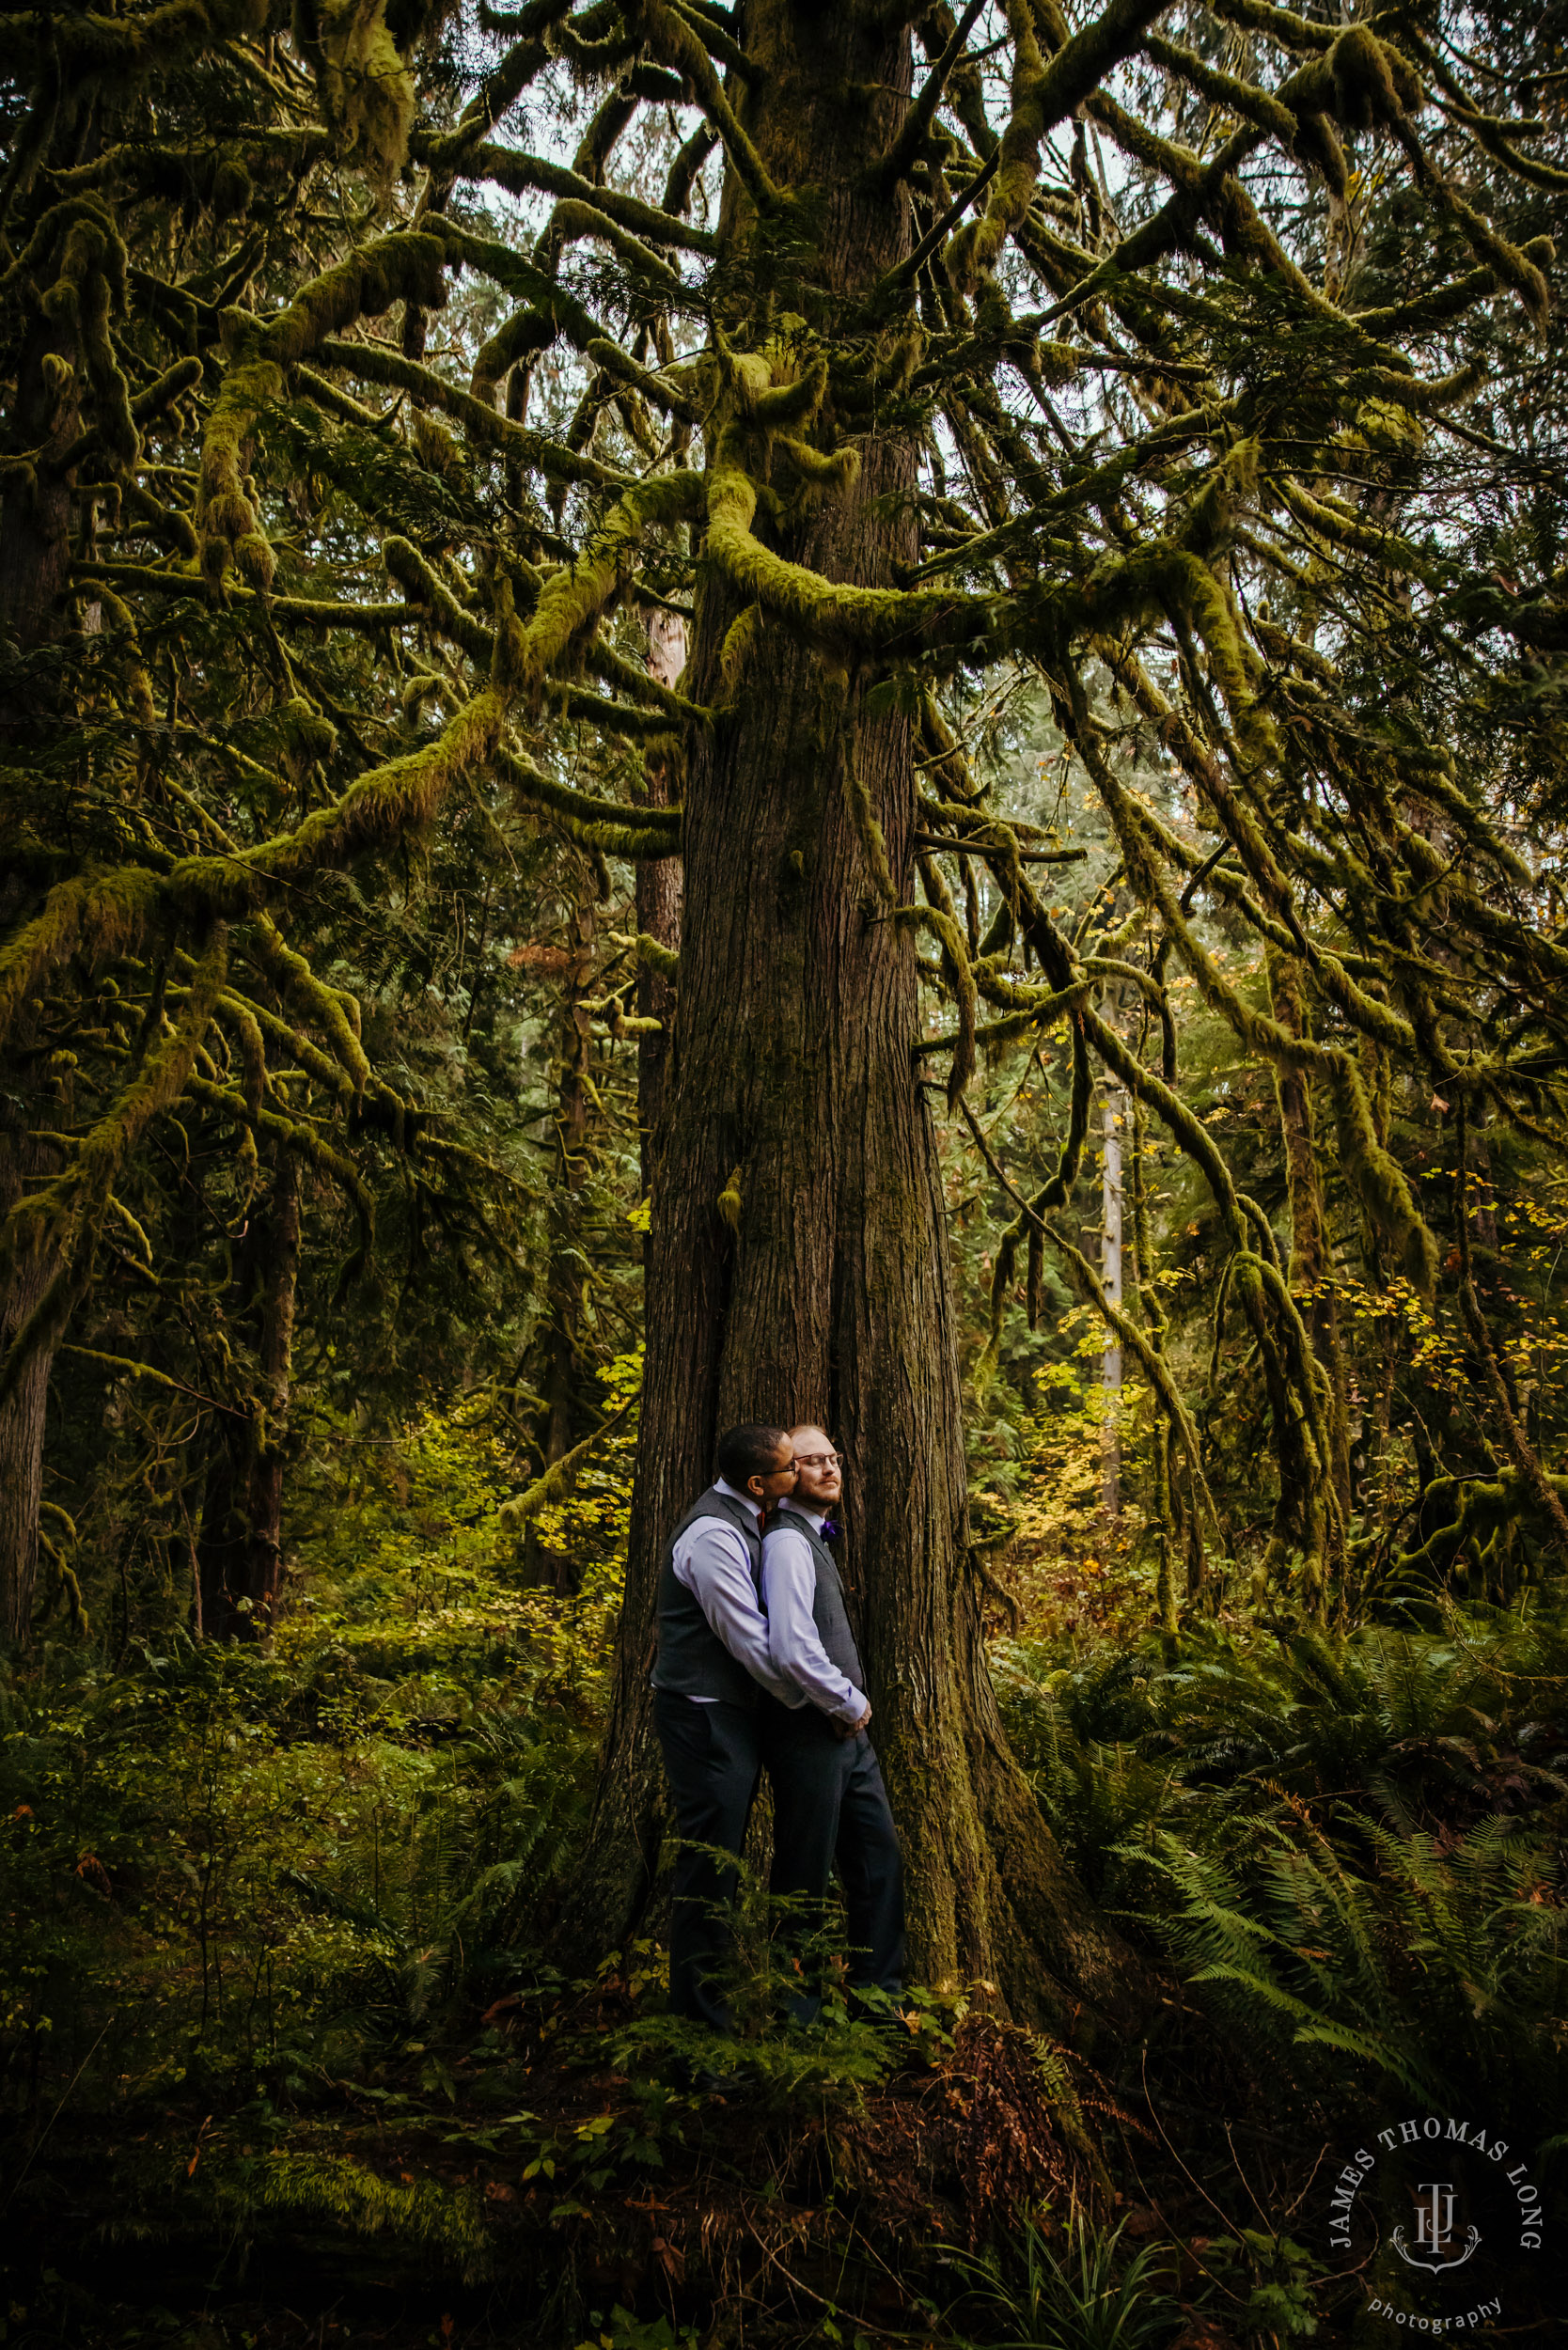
828 1603
692 1659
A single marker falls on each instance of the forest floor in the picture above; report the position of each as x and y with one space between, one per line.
811 2205
282 2063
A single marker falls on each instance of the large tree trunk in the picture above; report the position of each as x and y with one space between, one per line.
827 1294
241 1550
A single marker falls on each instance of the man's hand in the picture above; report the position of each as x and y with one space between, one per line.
852 1729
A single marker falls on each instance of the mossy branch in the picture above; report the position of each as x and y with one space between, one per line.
672 41
653 955
558 1480
1153 1367
60 1221
939 918
604 825
336 1014
830 613
521 174
405 265
376 364
1042 96
915 129
571 600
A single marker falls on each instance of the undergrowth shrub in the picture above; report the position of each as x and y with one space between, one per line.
1084 2289
226 1864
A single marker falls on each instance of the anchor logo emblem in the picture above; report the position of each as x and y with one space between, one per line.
1434 2230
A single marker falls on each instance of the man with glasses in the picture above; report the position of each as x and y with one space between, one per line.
710 1678
829 1802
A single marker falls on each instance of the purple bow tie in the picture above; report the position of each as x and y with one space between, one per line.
829 1529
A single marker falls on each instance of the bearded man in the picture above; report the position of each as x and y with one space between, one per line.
829 1804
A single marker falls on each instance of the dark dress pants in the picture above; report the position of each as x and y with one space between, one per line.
829 1805
712 1758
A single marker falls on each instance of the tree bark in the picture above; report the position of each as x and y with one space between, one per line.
241 1548
825 1292
659 888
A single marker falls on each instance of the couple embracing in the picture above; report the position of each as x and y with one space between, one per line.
757 1670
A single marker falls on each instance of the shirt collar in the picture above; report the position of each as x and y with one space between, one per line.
734 1494
814 1518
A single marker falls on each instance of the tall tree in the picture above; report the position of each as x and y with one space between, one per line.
929 393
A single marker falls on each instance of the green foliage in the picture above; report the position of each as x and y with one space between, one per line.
319 1856
441 2225
1277 2276
1349 1850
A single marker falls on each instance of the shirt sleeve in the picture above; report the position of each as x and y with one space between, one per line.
789 1585
713 1561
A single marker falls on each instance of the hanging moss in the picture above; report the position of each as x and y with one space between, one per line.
363 76
1053 1194
404 266
309 739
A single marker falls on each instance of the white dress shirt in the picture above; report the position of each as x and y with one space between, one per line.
713 1562
795 1644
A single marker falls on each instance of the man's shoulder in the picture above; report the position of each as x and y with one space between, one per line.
711 1507
786 1521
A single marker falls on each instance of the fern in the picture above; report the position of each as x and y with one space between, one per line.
1443 1972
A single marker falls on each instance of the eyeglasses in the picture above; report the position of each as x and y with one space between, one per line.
820 1460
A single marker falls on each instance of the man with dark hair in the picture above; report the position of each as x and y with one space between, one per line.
829 1803
709 1680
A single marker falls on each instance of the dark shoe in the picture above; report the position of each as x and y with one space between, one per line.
733 2088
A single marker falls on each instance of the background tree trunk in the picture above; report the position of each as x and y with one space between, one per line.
561 1379
1110 1280
795 1084
659 888
24 1161
1312 1263
241 1553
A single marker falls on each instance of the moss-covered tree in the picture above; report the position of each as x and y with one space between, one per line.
952 351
